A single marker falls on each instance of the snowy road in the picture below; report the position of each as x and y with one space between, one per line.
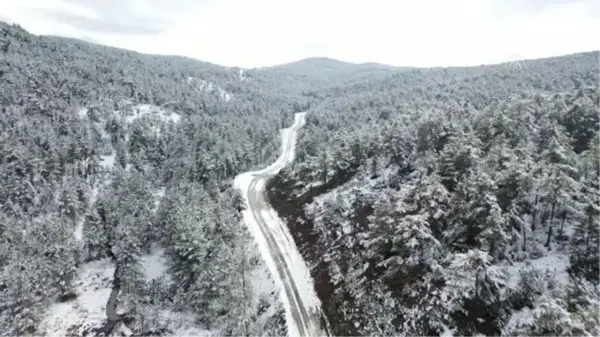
303 308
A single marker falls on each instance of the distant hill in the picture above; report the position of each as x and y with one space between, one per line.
323 66
323 73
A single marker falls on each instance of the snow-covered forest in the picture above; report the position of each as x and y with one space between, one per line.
453 201
426 201
116 182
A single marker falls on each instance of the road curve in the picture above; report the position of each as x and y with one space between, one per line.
304 318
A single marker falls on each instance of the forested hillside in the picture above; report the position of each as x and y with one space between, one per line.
459 201
427 201
112 160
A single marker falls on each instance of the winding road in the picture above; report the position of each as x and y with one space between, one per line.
303 311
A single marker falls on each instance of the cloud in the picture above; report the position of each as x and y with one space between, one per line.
537 7
137 10
134 25
124 17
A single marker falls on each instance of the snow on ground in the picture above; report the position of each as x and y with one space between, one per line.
183 325
79 229
211 87
205 86
224 95
93 286
148 109
154 264
242 78
447 332
264 289
158 195
243 182
556 263
301 273
82 113
523 317
261 280
108 161
299 270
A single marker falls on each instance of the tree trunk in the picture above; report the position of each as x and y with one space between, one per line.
550 225
244 290
534 214
562 224
493 251
524 234
477 286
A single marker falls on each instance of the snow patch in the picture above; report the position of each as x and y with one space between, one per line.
183 324
108 162
224 95
79 229
447 332
158 195
519 319
154 264
93 287
211 87
556 263
82 113
148 109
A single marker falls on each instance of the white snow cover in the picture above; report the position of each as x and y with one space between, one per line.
93 283
154 264
210 87
555 263
224 95
523 317
293 259
93 287
82 113
87 310
158 194
108 162
148 109
79 230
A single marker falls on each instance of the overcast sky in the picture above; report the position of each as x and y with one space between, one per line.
253 33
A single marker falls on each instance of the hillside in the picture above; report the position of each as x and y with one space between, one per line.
310 77
104 156
453 201
323 68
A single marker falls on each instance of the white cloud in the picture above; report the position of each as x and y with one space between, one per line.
417 33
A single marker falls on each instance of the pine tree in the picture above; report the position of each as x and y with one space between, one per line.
561 184
585 243
477 220
457 158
